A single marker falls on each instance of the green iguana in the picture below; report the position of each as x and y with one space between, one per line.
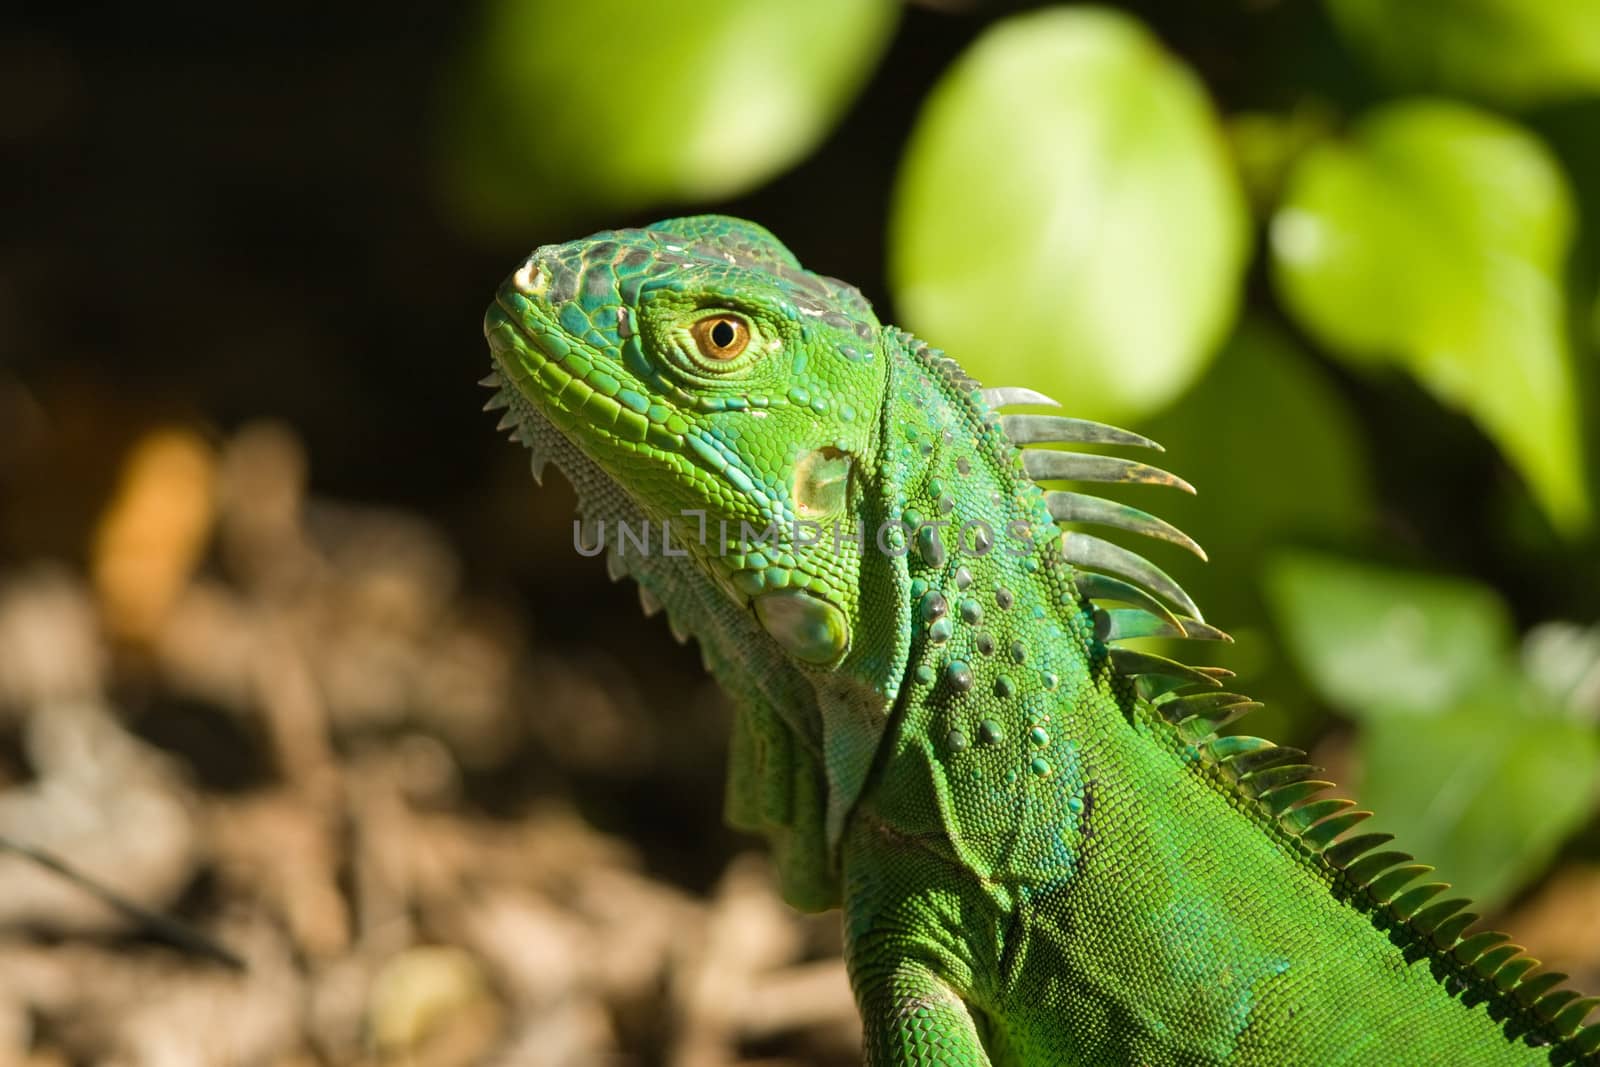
1045 852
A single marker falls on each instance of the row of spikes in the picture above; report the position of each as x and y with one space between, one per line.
504 396
1287 789
1083 550
1191 699
649 603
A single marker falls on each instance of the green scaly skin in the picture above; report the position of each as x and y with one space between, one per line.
1044 852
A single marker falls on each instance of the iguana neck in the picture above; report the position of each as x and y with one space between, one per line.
991 592
969 632
1002 647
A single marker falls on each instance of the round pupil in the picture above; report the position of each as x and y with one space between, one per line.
722 334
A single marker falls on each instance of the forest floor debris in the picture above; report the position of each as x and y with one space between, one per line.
263 714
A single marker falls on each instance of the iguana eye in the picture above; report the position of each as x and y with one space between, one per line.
720 338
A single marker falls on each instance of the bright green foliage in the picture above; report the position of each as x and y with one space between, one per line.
1378 641
611 105
1468 758
1508 51
1436 237
1488 791
1066 211
1044 851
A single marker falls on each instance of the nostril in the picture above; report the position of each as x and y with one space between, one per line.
531 277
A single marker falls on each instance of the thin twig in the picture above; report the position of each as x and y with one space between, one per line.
179 935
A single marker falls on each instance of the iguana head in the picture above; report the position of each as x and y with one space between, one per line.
719 387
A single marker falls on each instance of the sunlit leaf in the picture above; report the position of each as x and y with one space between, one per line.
1380 642
1485 792
1066 216
610 105
1474 765
1508 51
1436 237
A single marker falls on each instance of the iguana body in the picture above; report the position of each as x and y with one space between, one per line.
1044 853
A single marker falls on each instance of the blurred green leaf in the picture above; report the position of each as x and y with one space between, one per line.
1380 642
1563 659
1066 216
1474 766
1487 792
610 105
1508 51
1594 319
1436 237
1268 443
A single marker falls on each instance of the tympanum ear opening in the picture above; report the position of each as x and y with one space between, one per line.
822 482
